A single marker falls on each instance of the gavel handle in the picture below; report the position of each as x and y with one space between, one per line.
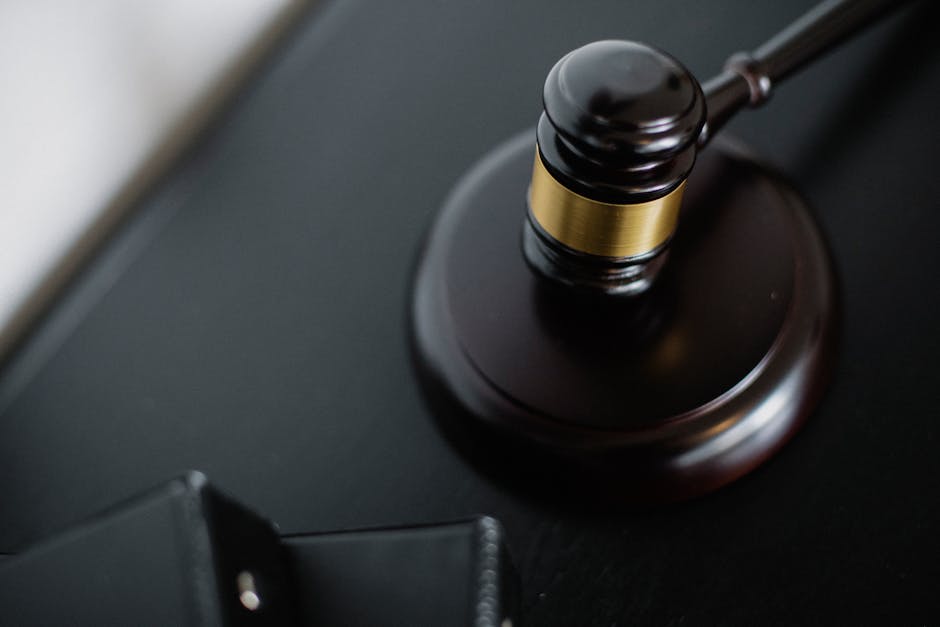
749 77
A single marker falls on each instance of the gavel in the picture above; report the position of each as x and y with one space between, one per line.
631 313
622 125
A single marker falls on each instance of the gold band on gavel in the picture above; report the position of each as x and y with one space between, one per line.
600 228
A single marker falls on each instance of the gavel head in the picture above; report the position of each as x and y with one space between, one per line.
616 142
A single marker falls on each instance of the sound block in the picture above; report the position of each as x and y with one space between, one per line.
659 396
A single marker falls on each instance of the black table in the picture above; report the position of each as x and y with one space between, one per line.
250 320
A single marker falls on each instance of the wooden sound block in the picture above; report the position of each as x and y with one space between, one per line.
660 396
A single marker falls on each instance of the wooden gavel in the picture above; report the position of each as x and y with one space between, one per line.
662 352
622 125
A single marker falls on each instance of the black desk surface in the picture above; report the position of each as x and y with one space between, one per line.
250 319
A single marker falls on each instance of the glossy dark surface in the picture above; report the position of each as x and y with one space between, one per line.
620 123
669 393
251 321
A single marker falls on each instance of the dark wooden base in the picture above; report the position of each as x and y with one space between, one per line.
662 396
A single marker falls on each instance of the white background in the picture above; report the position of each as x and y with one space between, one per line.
92 94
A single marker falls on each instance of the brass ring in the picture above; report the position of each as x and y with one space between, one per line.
600 228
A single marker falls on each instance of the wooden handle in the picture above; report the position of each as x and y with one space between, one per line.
749 77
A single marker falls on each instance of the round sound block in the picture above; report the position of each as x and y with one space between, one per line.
663 395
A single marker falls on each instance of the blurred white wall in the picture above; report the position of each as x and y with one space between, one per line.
93 94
